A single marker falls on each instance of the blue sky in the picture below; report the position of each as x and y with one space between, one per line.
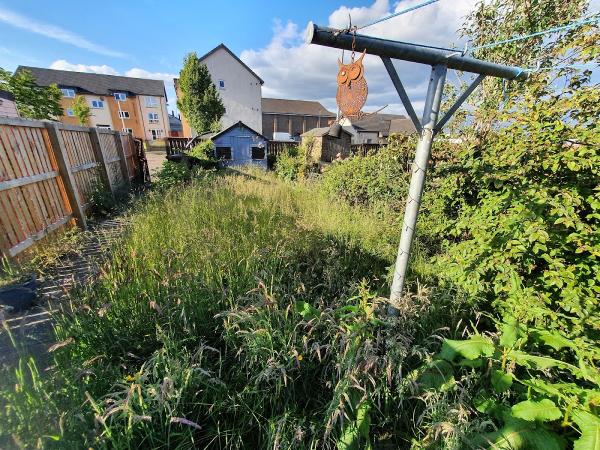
149 38
151 34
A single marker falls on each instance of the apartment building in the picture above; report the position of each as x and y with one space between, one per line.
239 87
135 105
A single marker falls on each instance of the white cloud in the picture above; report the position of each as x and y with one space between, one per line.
57 33
62 64
135 72
293 69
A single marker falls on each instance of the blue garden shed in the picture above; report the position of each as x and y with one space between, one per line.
240 145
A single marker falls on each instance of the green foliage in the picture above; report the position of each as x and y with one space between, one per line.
102 201
377 180
82 110
172 174
33 101
242 305
528 386
200 101
203 155
291 164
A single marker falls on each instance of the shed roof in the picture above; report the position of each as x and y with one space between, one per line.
297 107
95 83
238 124
319 132
376 122
403 126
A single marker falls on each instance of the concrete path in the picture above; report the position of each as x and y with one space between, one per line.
31 330
155 159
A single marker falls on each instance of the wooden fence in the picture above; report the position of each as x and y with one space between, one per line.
48 171
276 147
364 149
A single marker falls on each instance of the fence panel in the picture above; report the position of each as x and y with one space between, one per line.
130 155
113 160
276 147
48 171
82 161
32 196
365 149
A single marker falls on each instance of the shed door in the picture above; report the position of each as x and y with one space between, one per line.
241 147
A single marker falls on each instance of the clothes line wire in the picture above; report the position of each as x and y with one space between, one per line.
538 33
399 13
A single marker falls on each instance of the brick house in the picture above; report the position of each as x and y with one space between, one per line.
293 117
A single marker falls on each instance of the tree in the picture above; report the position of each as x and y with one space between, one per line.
81 110
200 102
33 101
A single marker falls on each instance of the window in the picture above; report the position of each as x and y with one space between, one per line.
153 117
68 93
258 153
120 96
156 134
124 114
98 104
106 127
70 112
151 102
224 152
127 130
221 84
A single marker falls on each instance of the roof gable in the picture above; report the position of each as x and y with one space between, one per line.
234 56
238 124
95 83
319 132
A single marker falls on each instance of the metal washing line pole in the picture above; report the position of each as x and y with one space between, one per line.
440 61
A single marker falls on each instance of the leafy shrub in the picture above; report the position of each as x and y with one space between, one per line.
290 164
172 174
379 179
102 201
202 155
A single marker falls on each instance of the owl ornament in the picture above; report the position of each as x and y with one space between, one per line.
352 88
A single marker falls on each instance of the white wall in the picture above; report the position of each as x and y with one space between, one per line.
242 93
99 116
161 110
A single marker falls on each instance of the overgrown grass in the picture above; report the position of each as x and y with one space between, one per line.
238 312
37 261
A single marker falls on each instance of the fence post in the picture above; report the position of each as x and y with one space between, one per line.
102 166
64 169
122 158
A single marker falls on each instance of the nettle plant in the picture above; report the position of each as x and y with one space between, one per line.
539 402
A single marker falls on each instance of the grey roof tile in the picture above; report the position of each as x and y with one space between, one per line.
95 83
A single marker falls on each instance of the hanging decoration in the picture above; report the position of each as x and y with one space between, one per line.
352 88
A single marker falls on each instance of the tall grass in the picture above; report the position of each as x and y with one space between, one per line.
237 312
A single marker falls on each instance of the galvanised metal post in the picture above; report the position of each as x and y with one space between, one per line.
417 181
440 59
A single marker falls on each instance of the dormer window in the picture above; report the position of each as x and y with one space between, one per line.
221 84
69 93
120 96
